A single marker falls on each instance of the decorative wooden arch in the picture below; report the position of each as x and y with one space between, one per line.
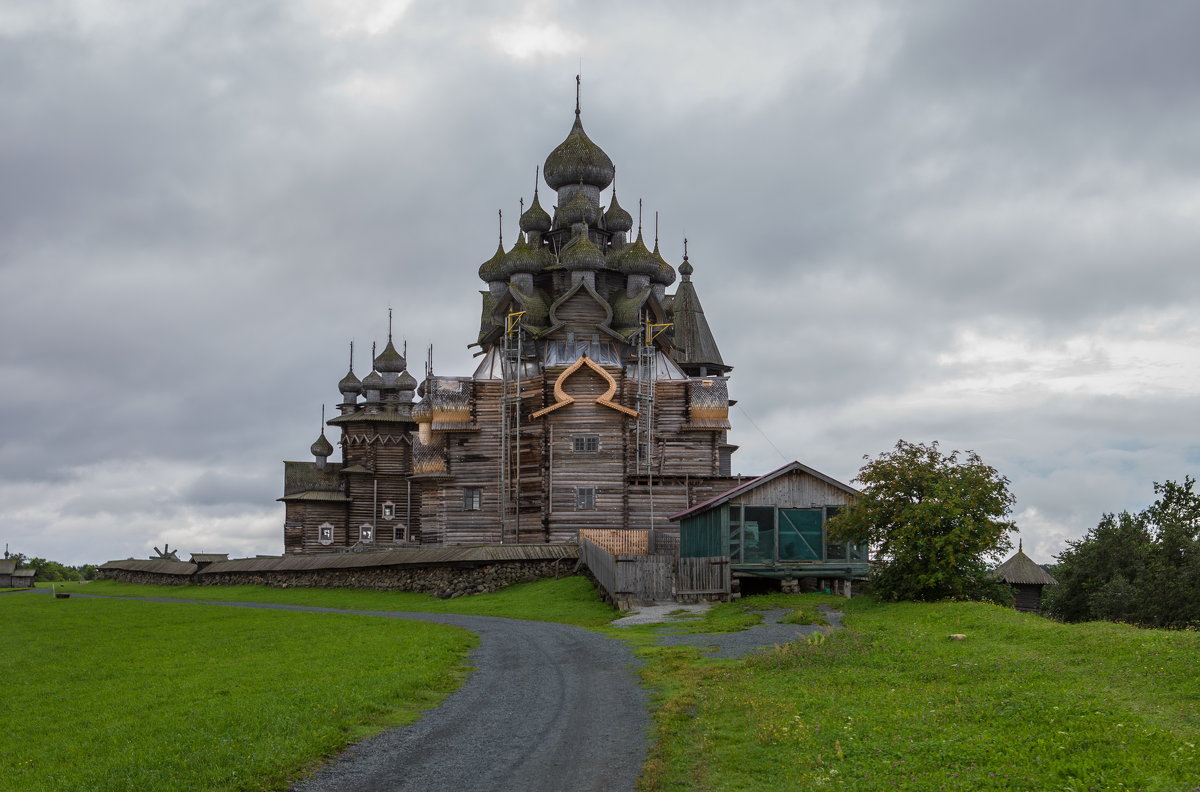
565 398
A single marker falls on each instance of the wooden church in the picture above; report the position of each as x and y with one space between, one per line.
601 400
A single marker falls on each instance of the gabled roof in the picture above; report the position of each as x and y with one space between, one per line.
693 337
1022 570
790 467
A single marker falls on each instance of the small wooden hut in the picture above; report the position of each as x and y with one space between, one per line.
12 577
1026 579
774 527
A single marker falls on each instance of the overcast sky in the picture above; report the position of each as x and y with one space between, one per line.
975 223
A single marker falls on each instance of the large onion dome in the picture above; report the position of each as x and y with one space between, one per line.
579 209
666 273
322 447
577 159
350 383
535 217
582 255
616 218
389 360
493 268
636 259
406 382
522 258
373 382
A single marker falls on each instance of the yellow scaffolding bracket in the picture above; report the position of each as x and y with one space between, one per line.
512 322
653 331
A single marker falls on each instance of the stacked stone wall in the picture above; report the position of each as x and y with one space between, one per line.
446 581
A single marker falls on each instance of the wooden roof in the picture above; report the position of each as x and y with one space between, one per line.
1022 570
790 467
155 565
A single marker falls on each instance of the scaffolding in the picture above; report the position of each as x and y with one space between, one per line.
512 360
647 376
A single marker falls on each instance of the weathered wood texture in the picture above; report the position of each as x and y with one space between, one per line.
794 492
628 578
702 576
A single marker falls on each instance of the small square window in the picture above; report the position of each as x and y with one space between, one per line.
587 443
388 512
325 534
472 499
366 534
585 498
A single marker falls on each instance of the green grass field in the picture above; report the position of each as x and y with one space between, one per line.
105 694
891 703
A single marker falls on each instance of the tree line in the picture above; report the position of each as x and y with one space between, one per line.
52 571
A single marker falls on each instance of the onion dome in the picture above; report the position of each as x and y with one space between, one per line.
579 209
373 382
406 381
522 258
577 159
535 217
390 361
685 269
322 447
422 412
666 273
350 383
637 260
582 255
616 218
493 268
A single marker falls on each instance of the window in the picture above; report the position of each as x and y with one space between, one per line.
587 443
325 533
366 533
585 498
472 499
389 511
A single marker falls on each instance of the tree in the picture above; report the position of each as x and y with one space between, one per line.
1139 568
937 523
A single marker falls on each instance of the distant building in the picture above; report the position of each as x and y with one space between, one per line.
600 399
12 577
1026 579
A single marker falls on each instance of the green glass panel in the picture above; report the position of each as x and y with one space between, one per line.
800 534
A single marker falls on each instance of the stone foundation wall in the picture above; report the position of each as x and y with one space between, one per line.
446 581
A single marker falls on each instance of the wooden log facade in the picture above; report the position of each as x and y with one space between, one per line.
600 403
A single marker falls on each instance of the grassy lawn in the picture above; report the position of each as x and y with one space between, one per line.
570 600
891 703
109 694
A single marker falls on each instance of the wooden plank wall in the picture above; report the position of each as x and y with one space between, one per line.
695 576
796 490
628 542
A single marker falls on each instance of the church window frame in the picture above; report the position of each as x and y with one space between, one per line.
366 533
472 499
585 499
325 533
585 444
387 510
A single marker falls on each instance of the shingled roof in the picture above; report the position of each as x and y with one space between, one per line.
1021 570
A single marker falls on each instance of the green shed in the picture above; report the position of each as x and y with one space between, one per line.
774 527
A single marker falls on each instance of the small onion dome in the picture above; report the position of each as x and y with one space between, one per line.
666 273
582 255
577 159
350 383
492 269
535 217
390 361
637 260
322 447
406 381
579 209
685 269
422 412
616 218
522 258
373 382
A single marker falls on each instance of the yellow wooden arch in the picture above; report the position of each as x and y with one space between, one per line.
564 398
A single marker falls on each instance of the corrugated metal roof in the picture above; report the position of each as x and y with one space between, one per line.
1023 570
157 566
407 556
758 482
24 573
318 495
7 565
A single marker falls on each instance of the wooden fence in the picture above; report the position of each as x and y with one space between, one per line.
627 577
632 541
702 576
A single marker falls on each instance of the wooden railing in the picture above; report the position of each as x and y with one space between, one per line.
632 541
625 577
